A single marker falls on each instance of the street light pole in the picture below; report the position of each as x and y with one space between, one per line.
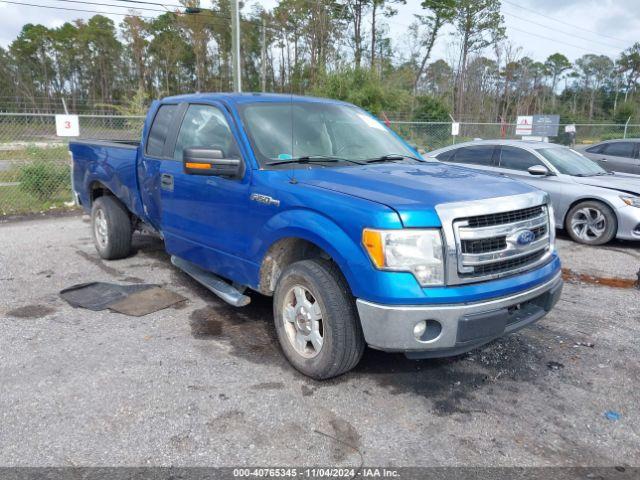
235 45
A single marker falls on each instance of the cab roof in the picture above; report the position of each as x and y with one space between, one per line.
249 97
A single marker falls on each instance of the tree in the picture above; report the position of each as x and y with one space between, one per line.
630 65
556 65
439 13
478 24
386 6
356 10
134 31
594 70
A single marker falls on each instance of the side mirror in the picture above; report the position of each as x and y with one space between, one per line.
210 161
539 171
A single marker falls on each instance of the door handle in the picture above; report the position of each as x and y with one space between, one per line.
166 182
603 160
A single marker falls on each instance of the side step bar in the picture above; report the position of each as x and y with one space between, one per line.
222 289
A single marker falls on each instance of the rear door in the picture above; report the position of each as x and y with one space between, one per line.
619 156
204 217
154 150
480 157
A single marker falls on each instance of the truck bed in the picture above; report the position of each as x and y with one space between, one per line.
112 163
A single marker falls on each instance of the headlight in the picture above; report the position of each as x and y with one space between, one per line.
416 251
630 200
552 227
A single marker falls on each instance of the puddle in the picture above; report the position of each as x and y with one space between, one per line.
31 311
249 330
572 277
456 385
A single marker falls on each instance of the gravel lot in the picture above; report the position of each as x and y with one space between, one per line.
206 384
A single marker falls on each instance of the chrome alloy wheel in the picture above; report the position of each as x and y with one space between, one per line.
302 319
100 228
588 224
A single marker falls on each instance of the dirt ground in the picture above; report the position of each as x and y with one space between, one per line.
205 384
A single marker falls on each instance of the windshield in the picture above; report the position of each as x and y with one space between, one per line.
283 131
570 162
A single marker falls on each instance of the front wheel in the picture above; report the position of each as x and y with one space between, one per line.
316 320
591 223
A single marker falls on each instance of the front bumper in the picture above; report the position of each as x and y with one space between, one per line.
463 326
628 223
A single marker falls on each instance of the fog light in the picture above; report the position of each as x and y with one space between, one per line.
419 329
427 330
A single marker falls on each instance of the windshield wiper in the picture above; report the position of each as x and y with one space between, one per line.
391 157
308 159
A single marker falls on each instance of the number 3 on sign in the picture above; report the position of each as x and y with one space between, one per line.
67 126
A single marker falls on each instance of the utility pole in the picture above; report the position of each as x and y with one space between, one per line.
263 55
235 46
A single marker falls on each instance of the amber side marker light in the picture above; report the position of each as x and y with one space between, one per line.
372 241
200 166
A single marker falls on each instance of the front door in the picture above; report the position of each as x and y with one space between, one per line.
204 217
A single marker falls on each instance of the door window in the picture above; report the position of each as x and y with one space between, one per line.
446 156
476 155
159 130
596 149
515 158
205 126
619 149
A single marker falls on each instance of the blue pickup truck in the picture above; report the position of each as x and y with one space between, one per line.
358 239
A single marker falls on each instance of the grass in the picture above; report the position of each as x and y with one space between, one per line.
14 201
42 174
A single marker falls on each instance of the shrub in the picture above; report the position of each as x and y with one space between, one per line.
43 179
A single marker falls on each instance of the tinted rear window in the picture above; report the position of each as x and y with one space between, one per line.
478 155
596 149
619 149
160 129
444 156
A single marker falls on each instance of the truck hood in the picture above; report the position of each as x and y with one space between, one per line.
413 190
620 181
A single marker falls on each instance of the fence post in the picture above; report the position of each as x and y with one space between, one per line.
625 127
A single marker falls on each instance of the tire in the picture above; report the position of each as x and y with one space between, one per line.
327 294
591 223
111 228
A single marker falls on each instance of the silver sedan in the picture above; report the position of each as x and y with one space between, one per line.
593 205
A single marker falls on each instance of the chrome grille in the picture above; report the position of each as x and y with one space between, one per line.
505 217
496 243
487 239
490 244
507 265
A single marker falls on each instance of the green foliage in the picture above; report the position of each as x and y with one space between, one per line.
625 111
428 108
43 179
363 88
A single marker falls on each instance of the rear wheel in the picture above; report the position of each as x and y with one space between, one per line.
316 320
591 223
111 228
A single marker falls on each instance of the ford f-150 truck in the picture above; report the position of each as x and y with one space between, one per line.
358 239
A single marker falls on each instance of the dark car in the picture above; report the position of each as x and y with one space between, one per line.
616 155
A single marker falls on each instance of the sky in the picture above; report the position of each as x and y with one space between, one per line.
539 27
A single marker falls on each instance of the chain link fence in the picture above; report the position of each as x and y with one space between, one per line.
35 163
430 136
35 172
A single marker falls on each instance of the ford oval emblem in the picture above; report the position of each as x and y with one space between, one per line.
525 237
